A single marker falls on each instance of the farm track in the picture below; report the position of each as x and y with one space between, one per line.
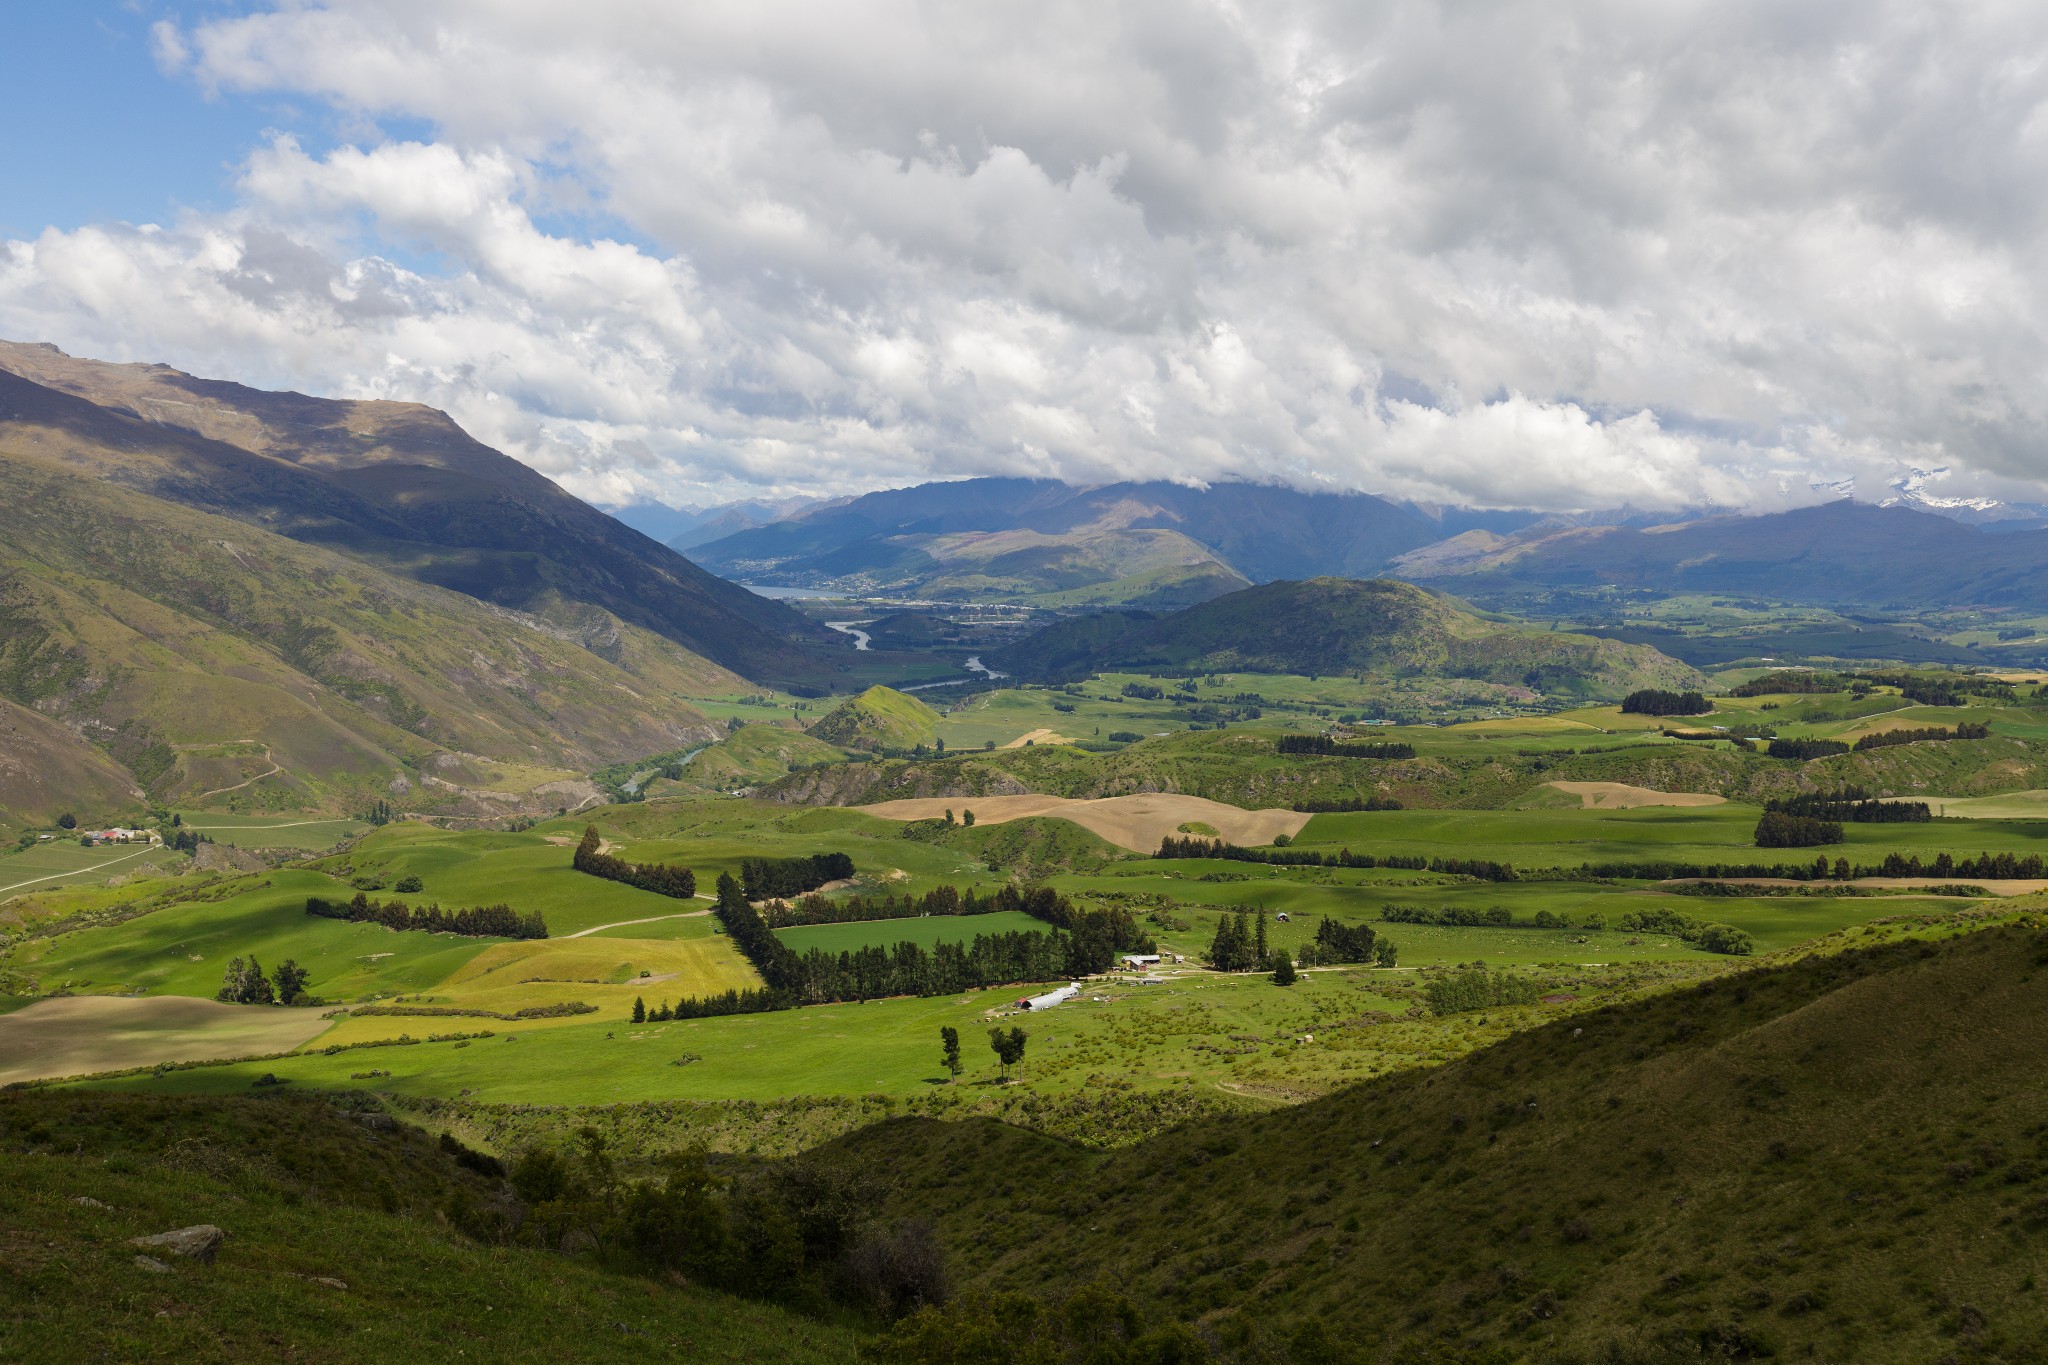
76 871
651 919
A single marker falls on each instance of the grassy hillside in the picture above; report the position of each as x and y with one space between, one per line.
1333 625
46 770
1728 1172
394 484
344 1243
751 756
222 665
879 718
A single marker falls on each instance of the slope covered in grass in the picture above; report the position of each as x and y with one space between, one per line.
398 485
879 718
1338 625
1844 1158
344 1243
225 666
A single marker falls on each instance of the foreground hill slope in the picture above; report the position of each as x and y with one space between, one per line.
1841 1159
215 661
1340 625
344 1243
396 484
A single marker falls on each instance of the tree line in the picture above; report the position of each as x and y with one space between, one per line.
1194 846
1851 804
1325 746
940 900
1653 701
477 921
663 879
776 878
1081 943
1344 804
1491 917
1929 734
1806 749
1780 829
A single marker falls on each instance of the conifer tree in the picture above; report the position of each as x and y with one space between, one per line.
639 1010
1008 1047
1283 970
949 1039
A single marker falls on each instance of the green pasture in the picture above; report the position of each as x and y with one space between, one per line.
65 862
525 871
713 836
273 831
1706 834
924 931
1237 1032
185 949
1179 891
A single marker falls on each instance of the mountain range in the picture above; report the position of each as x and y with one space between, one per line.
1166 546
1138 544
1838 553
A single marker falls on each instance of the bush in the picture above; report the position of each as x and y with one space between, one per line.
409 884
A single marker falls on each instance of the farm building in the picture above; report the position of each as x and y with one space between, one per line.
1137 960
1049 999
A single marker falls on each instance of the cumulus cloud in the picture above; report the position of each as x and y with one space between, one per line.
1571 255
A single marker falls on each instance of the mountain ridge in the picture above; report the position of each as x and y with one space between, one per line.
397 484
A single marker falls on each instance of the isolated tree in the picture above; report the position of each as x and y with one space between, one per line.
949 815
940 745
67 821
949 1039
1384 954
639 1010
291 980
1008 1047
1283 970
967 818
245 984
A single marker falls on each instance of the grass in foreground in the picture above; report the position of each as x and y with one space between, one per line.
338 1249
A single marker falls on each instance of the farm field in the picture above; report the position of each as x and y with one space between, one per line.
65 862
74 1035
1197 1029
1715 834
1137 823
273 831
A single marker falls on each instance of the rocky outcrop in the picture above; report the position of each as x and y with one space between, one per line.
200 1242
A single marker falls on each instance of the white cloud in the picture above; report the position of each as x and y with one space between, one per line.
1561 255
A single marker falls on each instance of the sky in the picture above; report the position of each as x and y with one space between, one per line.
1592 253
